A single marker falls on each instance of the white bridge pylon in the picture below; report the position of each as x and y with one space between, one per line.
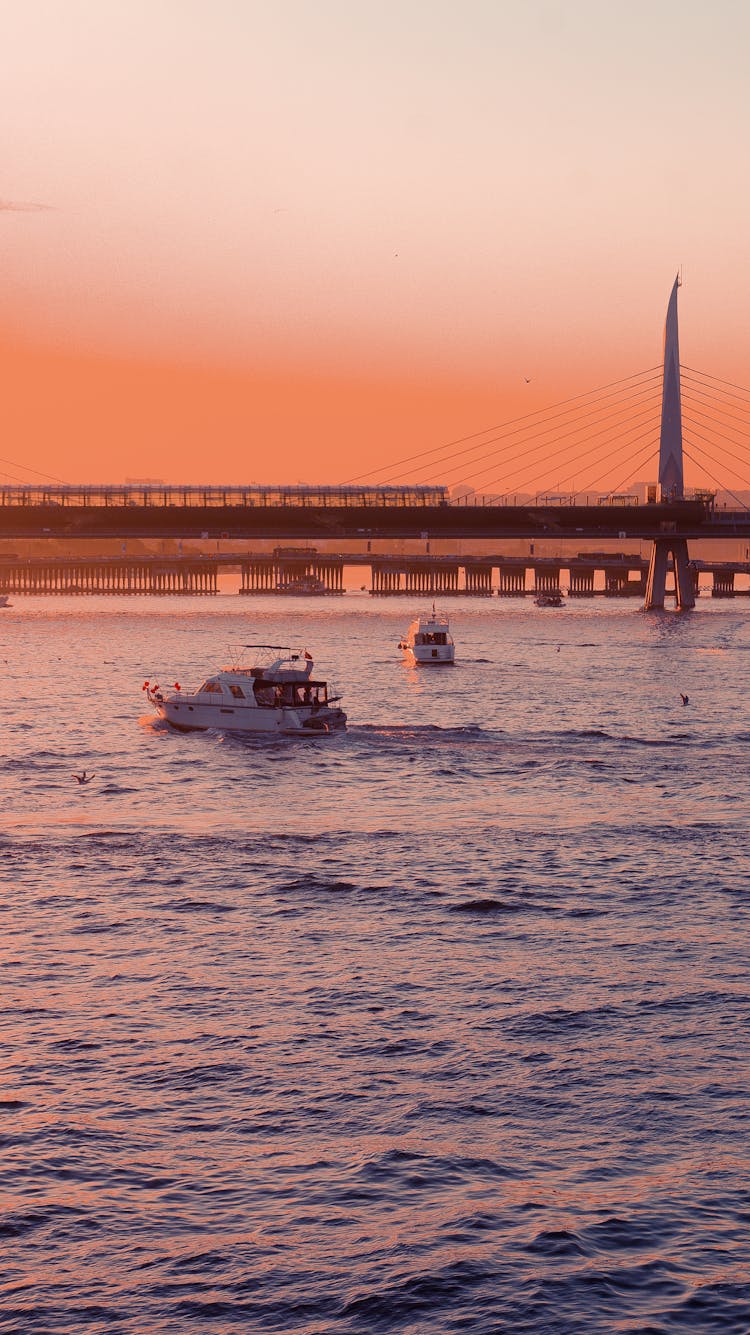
670 551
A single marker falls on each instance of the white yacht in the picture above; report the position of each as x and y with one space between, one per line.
428 640
276 695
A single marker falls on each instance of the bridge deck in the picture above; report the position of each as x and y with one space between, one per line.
689 519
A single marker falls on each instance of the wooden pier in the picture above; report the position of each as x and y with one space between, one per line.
430 576
109 575
308 572
517 576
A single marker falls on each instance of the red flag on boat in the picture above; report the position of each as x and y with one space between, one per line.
308 655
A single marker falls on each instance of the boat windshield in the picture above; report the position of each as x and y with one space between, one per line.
292 694
432 637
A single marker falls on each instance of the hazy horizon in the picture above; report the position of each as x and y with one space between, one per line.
261 244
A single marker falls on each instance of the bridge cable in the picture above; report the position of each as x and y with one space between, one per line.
718 462
644 435
593 486
577 459
600 451
729 452
578 478
716 378
719 396
699 406
540 430
721 410
12 477
700 424
575 430
653 454
528 482
719 484
50 476
537 438
511 422
539 412
531 458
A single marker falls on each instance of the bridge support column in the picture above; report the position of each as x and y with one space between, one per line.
512 581
546 579
618 583
477 579
723 585
581 581
656 584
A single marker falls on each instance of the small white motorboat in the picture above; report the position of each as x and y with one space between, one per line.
428 640
277 695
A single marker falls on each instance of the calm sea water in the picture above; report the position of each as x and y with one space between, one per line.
437 1026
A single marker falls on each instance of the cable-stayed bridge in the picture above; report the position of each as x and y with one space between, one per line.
616 455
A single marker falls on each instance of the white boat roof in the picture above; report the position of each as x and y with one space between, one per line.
430 619
272 661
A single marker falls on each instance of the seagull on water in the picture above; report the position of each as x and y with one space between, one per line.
84 778
684 698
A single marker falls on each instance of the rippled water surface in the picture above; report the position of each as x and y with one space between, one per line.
440 1025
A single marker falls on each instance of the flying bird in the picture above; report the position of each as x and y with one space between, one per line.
84 778
527 378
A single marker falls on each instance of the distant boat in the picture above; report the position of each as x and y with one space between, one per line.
549 600
4 600
429 641
302 585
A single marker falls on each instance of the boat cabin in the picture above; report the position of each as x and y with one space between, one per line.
431 637
269 693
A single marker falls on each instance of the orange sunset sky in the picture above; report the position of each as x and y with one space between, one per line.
299 241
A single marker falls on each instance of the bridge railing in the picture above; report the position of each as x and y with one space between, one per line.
222 496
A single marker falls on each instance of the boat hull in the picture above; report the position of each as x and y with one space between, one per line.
199 717
441 655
